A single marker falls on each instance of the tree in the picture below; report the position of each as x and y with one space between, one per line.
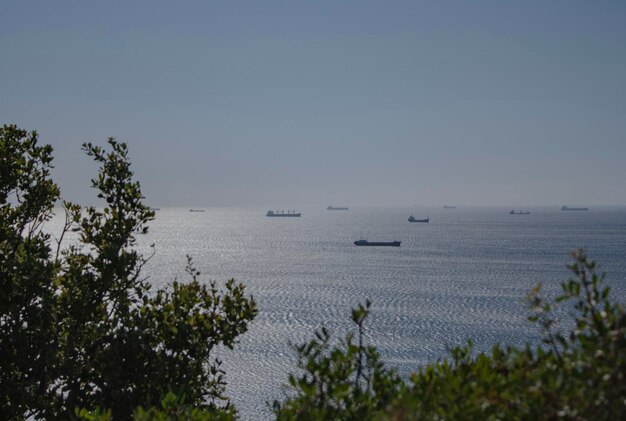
81 326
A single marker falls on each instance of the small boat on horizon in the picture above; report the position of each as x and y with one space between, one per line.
518 213
449 207
566 208
196 210
377 243
336 208
271 213
412 219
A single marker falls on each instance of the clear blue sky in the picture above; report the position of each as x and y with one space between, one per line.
288 104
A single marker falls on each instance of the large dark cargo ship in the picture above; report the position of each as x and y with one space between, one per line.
412 219
377 243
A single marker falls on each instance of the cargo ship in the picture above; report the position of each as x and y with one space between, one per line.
565 208
518 213
412 219
449 207
282 213
377 243
336 208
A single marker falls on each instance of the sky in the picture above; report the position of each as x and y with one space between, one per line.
289 104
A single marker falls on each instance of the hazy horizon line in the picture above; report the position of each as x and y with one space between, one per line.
396 206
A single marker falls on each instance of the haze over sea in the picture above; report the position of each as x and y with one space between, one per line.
462 276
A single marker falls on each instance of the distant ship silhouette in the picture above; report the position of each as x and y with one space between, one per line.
283 214
377 243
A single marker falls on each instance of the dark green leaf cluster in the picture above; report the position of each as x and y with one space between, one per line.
173 408
79 326
578 374
28 336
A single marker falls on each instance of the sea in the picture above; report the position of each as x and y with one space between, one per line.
463 276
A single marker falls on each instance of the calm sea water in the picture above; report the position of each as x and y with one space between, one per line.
462 276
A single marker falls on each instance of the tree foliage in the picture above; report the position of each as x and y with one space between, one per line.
173 408
28 336
80 326
345 381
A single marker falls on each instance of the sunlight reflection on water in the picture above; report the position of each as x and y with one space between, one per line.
462 276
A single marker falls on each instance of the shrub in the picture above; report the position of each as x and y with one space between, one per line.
577 374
